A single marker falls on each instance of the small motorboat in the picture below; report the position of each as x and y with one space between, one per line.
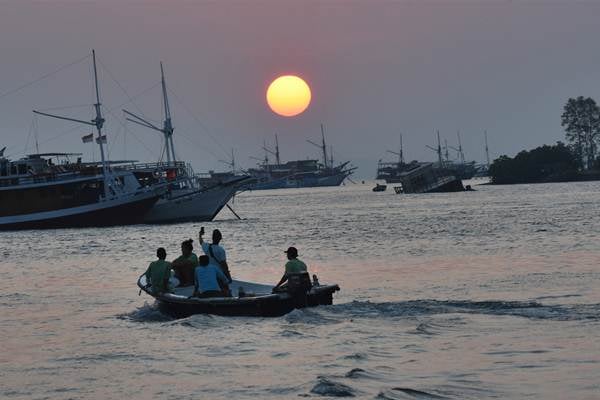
253 299
379 188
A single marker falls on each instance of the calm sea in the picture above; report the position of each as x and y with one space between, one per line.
475 295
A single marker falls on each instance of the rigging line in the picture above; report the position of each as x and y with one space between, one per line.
17 89
207 132
110 74
75 128
202 148
129 131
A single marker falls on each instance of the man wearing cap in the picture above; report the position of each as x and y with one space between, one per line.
292 267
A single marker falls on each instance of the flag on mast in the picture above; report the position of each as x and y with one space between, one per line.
101 138
88 138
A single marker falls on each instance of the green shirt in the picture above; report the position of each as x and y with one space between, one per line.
294 266
158 275
193 258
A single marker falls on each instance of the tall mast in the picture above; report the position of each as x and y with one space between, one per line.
439 149
460 149
167 129
487 151
168 125
324 145
401 152
98 122
446 150
277 150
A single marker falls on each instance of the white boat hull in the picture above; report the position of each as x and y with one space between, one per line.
190 205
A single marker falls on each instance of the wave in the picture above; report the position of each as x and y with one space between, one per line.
416 308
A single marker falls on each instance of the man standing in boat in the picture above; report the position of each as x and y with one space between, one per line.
215 252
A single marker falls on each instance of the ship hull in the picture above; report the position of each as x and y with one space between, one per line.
107 213
190 206
303 182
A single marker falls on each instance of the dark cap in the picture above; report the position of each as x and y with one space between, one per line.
292 251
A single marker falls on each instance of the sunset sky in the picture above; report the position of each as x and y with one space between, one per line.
375 69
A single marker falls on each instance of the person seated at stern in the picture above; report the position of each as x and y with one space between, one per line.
209 281
296 274
184 264
159 272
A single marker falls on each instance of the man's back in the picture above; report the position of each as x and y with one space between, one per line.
159 273
295 266
208 277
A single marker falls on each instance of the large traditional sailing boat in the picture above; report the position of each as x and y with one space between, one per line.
37 193
185 199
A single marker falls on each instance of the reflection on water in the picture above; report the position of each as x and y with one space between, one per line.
486 294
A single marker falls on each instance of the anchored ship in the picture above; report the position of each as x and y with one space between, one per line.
36 192
299 173
186 198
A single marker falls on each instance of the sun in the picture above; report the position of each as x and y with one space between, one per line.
288 95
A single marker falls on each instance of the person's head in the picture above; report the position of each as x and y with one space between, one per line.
187 247
216 236
292 253
161 253
203 260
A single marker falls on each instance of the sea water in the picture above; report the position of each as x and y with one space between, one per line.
474 295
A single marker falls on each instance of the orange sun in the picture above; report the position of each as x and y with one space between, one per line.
288 95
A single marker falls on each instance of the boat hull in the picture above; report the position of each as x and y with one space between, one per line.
191 206
260 305
108 213
308 181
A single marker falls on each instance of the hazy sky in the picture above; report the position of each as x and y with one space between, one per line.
376 68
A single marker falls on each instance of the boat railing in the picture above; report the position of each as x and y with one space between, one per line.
23 180
157 166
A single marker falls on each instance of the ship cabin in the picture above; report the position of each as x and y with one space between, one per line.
51 181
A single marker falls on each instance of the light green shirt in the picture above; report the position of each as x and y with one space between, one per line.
158 274
295 266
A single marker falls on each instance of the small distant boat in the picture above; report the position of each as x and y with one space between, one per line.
258 301
379 188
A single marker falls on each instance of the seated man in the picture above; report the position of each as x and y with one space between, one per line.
159 272
209 281
184 264
296 274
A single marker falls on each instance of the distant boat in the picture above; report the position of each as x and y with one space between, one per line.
426 178
37 193
292 174
187 198
379 188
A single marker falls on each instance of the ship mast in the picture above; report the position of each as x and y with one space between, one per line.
167 129
438 150
323 146
98 122
167 126
399 153
487 151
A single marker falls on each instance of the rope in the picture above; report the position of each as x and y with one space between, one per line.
26 85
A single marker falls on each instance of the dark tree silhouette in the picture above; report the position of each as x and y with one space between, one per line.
542 164
581 120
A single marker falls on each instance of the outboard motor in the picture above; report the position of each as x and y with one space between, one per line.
298 286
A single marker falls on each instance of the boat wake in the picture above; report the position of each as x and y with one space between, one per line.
416 308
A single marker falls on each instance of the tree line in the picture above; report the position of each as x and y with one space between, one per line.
575 160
